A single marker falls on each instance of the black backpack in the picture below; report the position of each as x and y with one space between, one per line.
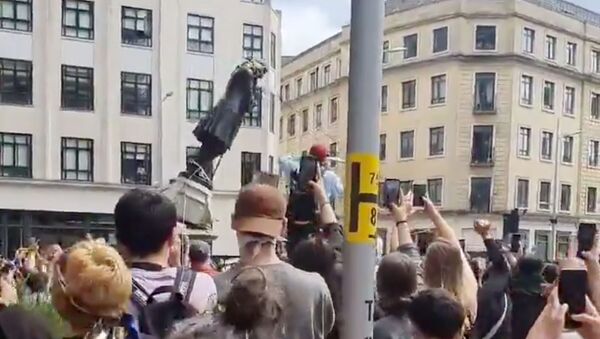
156 318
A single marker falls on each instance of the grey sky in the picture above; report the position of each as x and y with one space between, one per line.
307 22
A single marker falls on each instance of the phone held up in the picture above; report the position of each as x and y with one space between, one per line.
586 234
309 168
572 287
391 192
419 191
515 242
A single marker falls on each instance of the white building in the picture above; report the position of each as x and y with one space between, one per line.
98 97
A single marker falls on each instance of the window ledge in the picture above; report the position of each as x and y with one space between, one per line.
437 156
76 39
548 161
570 164
408 109
14 31
446 51
440 104
384 112
406 159
75 110
2 104
524 157
133 115
526 105
564 212
548 110
206 54
495 50
544 210
569 115
410 59
145 48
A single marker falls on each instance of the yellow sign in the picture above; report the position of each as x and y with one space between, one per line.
361 192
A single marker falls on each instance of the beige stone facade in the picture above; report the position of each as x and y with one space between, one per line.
473 107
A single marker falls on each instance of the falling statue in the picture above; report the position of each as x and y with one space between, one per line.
217 131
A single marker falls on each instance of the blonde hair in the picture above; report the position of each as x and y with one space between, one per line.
443 268
90 283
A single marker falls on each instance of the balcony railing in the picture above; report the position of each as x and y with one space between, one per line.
482 159
485 106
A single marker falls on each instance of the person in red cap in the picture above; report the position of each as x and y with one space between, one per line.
331 181
320 152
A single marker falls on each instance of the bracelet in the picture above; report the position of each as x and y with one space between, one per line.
401 222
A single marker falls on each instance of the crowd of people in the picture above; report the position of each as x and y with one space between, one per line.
139 289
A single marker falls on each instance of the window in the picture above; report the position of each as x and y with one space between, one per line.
434 191
571 53
567 151
483 145
596 61
199 99
595 106
280 128
338 65
526 90
136 26
411 43
136 93
485 92
272 113
77 157
522 193
333 110
286 92
305 120
136 163
481 192
292 125
547 144
528 40
550 50
78 19
440 39
386 54
326 75
15 82
409 94
562 244
407 144
382 146
436 141
273 51
594 153
524 141
314 80
200 34
406 186
549 95
253 41
592 200
545 193
438 89
77 88
15 155
541 244
298 87
569 100
253 118
16 15
191 154
565 197
250 165
485 38
333 152
384 98
318 116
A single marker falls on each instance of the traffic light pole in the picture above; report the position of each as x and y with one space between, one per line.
362 168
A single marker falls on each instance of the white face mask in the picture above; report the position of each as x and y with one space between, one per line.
250 244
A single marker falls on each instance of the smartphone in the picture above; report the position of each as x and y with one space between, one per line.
586 233
308 171
419 191
515 242
463 245
391 191
572 287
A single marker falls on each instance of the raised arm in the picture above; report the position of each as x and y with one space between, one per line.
482 227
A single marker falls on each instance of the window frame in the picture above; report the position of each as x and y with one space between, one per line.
569 107
490 152
545 107
77 149
18 68
382 146
412 156
147 161
478 105
550 54
18 171
140 80
384 98
272 113
305 120
249 158
475 46
326 74
520 154
250 51
550 145
385 58
196 85
431 154
4 21
447 47
595 61
518 191
414 55
318 116
571 152
127 37
490 195
593 158
273 51
200 27
587 200
595 97
570 200
571 53
75 97
430 196
78 13
524 101
406 106
253 118
528 45
334 118
436 98
539 200
291 125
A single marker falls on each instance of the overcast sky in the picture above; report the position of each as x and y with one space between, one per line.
307 22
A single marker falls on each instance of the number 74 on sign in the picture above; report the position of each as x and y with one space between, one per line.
362 186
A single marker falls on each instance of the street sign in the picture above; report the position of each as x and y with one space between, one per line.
362 171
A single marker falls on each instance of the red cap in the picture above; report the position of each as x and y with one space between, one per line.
320 152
